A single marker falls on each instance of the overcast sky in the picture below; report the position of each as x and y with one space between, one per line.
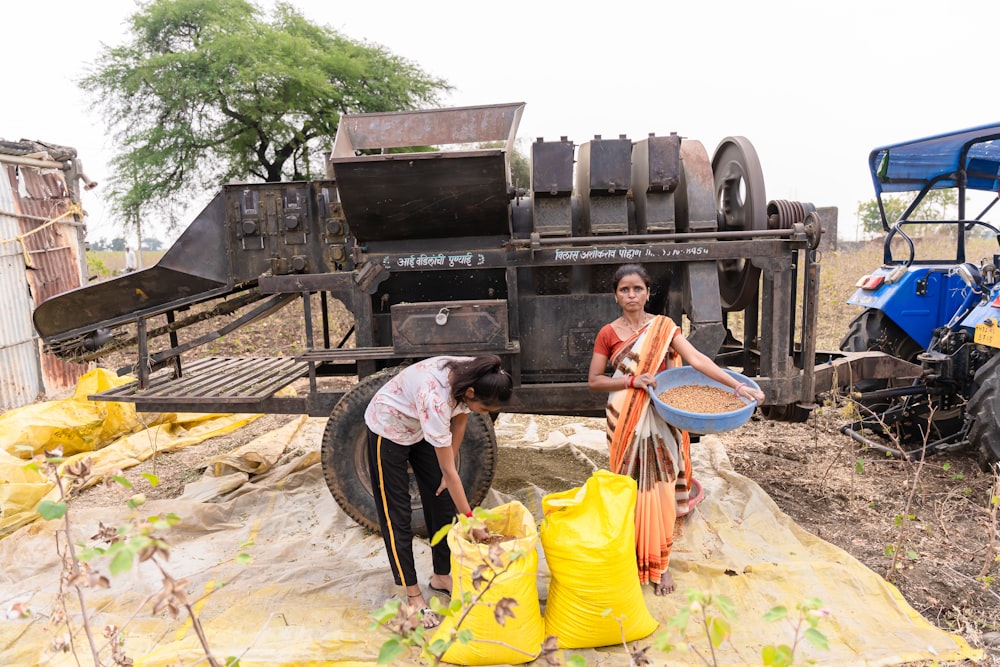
815 86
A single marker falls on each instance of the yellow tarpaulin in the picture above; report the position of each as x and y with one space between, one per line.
316 576
113 436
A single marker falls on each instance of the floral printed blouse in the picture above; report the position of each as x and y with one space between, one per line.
417 404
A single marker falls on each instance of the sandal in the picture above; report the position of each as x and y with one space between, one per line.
429 618
442 591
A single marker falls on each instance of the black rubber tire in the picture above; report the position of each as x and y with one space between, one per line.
984 412
873 330
793 413
344 457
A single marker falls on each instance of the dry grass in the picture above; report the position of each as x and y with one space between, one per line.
107 263
841 269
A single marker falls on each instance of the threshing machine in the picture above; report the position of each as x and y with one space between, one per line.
438 251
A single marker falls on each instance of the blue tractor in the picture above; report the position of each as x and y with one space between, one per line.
939 310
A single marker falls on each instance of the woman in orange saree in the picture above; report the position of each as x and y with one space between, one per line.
641 445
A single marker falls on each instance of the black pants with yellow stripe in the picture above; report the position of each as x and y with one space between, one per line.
389 464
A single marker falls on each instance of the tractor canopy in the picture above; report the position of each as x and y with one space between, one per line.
965 158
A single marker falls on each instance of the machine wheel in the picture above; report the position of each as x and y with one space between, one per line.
984 412
344 457
793 413
739 190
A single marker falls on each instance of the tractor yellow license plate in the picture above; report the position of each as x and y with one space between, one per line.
988 333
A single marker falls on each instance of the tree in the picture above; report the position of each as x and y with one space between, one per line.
520 166
205 92
935 206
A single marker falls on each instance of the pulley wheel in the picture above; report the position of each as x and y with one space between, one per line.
742 206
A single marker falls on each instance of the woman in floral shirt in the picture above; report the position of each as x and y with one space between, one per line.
417 420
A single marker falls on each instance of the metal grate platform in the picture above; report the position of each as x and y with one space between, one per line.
225 380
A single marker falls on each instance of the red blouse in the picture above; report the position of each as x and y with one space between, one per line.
608 343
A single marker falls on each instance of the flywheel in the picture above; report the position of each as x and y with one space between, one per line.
742 206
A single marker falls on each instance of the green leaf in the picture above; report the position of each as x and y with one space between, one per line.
386 611
718 631
776 614
576 660
777 656
661 642
465 636
49 510
89 554
121 562
859 466
817 639
680 619
243 558
232 661
726 607
912 555
441 534
153 480
122 481
484 514
390 652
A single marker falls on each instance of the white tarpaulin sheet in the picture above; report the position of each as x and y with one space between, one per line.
316 576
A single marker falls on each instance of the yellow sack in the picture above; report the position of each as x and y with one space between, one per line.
588 536
520 638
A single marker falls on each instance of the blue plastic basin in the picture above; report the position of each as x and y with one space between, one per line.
696 422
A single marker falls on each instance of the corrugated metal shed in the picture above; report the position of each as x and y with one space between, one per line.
41 254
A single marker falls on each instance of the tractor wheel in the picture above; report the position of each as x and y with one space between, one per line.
872 330
984 412
344 457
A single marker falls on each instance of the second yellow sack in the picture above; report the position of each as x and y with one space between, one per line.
588 535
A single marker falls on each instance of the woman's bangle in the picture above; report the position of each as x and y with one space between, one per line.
736 391
631 381
468 514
